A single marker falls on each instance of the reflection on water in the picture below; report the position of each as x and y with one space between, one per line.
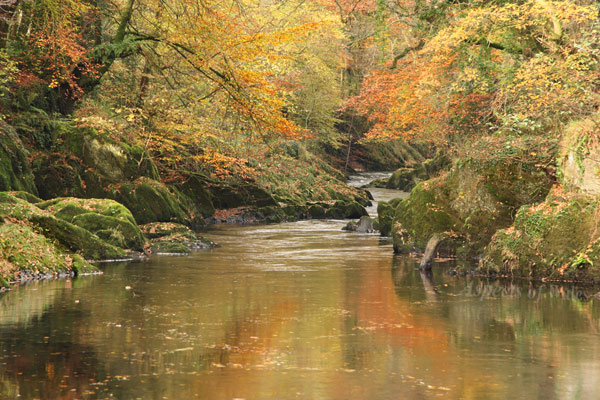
296 311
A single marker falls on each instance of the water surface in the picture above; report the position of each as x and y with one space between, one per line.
296 311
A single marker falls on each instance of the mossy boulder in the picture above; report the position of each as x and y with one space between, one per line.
66 234
15 169
385 156
168 237
27 254
106 218
386 211
149 201
316 211
28 197
345 209
380 183
557 239
156 230
408 177
195 191
168 247
469 203
233 195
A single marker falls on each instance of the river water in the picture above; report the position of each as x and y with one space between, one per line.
297 310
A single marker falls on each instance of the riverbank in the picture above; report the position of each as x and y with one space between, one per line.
511 207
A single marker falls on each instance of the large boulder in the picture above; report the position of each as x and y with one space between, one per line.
471 202
27 254
108 219
69 236
149 201
557 239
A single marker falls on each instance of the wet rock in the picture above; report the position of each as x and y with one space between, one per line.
345 209
316 211
351 226
166 237
365 225
380 183
386 211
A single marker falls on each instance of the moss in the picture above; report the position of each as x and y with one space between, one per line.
469 203
94 222
71 237
81 267
149 201
316 211
408 177
26 249
386 212
28 197
196 191
271 214
68 208
170 247
113 220
155 230
24 253
15 169
556 239
167 237
345 209
112 236
378 183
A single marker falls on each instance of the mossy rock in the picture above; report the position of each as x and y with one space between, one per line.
94 222
149 201
110 220
15 169
154 230
556 239
345 209
225 196
71 237
294 212
28 197
113 236
422 214
316 211
380 183
69 207
386 211
166 247
167 237
389 155
26 250
271 214
81 266
408 177
469 203
25 253
196 189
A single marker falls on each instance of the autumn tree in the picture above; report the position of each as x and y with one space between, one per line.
514 67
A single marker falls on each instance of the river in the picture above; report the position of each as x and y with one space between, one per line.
296 310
